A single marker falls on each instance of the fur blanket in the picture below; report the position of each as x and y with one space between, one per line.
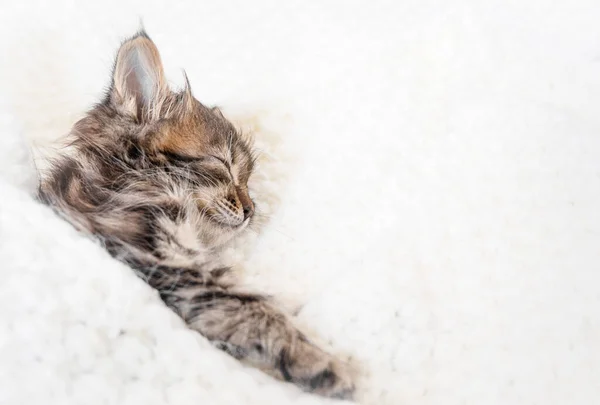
429 182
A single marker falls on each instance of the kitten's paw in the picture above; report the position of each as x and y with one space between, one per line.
334 381
317 372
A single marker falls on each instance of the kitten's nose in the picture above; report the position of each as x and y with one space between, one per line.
248 210
246 201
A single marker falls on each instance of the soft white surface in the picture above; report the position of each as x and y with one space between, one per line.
432 174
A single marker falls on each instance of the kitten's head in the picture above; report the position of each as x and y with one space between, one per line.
166 146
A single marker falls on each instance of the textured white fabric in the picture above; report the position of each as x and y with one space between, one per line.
431 174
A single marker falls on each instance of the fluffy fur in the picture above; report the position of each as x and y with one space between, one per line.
162 181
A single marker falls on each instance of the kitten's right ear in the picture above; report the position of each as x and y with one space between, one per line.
139 87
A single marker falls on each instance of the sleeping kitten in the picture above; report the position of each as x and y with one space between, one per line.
161 180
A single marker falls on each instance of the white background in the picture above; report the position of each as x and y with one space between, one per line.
431 174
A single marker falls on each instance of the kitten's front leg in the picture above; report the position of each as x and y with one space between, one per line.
251 329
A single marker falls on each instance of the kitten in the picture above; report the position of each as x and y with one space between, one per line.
161 180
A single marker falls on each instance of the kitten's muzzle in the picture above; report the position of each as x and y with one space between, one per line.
234 209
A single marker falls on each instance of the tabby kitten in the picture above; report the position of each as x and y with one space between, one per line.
161 180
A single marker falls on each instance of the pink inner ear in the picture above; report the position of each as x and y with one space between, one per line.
133 83
141 78
139 74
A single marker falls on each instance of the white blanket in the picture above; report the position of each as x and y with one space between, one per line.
429 185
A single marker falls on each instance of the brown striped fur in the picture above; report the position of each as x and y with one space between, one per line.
161 180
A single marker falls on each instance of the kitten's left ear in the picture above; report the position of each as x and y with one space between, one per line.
139 87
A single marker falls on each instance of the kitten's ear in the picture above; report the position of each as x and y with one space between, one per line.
139 87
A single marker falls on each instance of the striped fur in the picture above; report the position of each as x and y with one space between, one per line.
161 181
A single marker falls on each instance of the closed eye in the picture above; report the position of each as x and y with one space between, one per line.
177 157
221 160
